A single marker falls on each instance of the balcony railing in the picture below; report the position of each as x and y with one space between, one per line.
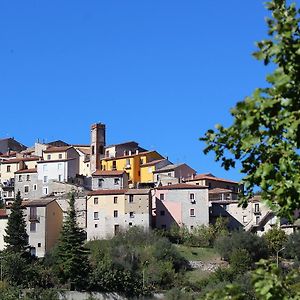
33 218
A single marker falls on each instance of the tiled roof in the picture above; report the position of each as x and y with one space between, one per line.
219 190
37 202
209 177
151 163
182 186
108 173
107 192
54 149
3 213
17 160
26 171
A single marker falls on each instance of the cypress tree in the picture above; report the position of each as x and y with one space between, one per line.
72 257
16 236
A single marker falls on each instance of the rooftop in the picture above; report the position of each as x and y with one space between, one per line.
182 186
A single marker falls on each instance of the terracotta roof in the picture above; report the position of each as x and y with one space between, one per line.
209 177
3 213
108 173
83 150
124 143
182 186
107 192
219 190
8 154
57 149
26 171
151 163
81 145
17 160
38 202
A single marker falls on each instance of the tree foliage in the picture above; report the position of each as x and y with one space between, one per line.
16 236
72 265
276 239
265 134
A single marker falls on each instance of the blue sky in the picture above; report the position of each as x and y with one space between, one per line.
159 72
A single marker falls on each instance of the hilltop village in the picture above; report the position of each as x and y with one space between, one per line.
116 187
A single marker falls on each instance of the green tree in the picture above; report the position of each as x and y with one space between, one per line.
16 236
265 134
72 265
276 239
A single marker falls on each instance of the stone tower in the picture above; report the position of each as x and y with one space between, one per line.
97 145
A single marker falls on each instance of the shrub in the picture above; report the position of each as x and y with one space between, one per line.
255 245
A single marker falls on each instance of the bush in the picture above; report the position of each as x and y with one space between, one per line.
292 246
240 261
255 245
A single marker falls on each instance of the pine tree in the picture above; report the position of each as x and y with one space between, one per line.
72 257
16 236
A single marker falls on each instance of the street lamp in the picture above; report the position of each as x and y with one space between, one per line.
277 256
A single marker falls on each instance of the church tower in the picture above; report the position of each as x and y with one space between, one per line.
97 145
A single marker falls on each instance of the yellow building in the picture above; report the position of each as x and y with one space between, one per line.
133 165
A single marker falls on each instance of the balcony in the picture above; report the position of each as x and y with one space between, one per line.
34 218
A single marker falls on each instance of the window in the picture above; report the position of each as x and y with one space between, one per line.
162 212
59 178
33 227
115 213
192 197
96 225
96 200
33 213
115 200
33 251
116 180
8 169
34 187
192 212
130 224
96 215
100 182
45 167
20 178
256 207
197 183
225 206
45 191
162 197
244 219
257 220
131 214
59 166
93 150
107 153
117 229
209 185
170 174
130 198
48 156
60 155
191 227
26 188
101 149
127 165
169 183
27 177
114 165
141 161
39 245
45 179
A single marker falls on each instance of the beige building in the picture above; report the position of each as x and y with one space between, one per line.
44 220
109 211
